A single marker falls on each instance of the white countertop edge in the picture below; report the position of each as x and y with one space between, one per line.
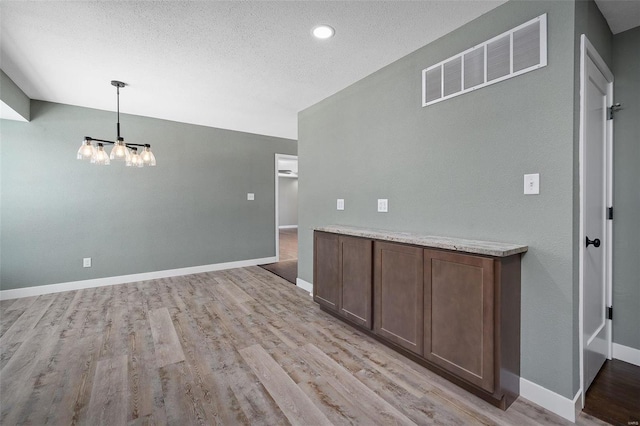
488 248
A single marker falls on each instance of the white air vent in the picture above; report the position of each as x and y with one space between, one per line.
507 55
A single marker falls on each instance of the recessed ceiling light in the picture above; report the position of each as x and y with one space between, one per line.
323 32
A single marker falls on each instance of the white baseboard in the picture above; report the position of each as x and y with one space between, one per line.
626 354
305 285
123 279
562 406
288 227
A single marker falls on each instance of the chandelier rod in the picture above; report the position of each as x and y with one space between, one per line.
118 85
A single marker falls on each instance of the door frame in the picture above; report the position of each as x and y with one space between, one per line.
277 195
587 50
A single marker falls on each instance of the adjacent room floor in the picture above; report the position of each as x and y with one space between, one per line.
287 267
240 346
614 395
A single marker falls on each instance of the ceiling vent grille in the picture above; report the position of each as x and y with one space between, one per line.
507 55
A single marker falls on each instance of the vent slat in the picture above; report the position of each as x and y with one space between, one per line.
434 86
498 58
474 68
526 47
453 76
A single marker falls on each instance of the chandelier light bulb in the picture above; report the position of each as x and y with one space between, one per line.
147 156
86 151
135 160
120 151
100 157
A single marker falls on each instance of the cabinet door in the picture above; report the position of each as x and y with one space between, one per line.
458 322
398 294
357 287
326 277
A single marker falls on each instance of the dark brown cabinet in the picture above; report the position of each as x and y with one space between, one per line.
343 276
454 312
355 273
398 294
459 315
326 276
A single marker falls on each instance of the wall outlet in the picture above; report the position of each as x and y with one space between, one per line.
251 196
532 184
383 205
340 204
86 262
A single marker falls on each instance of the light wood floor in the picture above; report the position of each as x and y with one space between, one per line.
288 244
233 347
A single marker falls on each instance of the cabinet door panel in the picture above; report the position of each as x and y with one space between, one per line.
398 289
326 277
356 289
459 317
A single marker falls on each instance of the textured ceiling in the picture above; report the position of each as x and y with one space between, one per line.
240 65
249 66
621 15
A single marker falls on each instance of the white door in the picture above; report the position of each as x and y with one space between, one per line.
596 330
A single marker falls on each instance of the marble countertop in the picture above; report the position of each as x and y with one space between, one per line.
487 248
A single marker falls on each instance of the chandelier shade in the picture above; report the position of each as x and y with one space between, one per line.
121 151
86 151
100 157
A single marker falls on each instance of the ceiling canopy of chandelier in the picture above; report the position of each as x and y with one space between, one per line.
121 151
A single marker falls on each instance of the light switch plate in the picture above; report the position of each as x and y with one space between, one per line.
340 204
383 205
86 262
251 196
532 184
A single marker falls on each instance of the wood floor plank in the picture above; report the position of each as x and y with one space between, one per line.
116 335
295 405
19 373
7 318
72 392
218 400
55 314
338 408
145 389
166 342
27 321
340 378
181 403
21 304
6 303
108 403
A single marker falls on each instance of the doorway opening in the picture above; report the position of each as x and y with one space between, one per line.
286 226
595 239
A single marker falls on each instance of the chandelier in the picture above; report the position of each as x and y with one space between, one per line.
121 151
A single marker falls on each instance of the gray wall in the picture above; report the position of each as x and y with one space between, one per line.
626 181
191 209
13 96
456 169
287 201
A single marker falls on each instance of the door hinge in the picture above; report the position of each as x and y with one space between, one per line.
610 213
610 312
612 109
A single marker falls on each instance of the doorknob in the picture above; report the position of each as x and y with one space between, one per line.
596 242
